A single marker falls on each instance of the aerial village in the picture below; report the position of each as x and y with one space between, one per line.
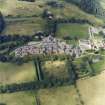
52 52
51 45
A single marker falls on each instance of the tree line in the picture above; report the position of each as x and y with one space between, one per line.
2 23
89 6
34 85
53 24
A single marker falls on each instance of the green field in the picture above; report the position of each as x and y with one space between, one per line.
90 91
82 67
22 10
29 26
73 30
19 8
25 18
12 73
99 66
71 10
19 98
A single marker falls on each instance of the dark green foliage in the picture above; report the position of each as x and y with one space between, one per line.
27 0
38 67
88 5
2 104
77 2
2 23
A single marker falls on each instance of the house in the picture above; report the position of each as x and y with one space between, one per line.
27 50
85 45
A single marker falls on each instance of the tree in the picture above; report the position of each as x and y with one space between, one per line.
88 5
2 22
76 2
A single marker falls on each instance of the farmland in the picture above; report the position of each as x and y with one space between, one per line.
12 73
50 54
20 98
92 90
23 11
28 26
57 96
73 30
55 69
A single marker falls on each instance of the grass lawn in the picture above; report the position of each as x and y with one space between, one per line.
74 30
12 73
58 96
56 69
92 90
102 2
20 98
99 66
102 52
